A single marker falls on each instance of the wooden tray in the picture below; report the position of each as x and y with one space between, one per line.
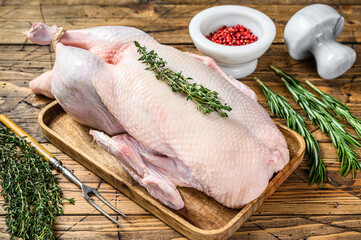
201 218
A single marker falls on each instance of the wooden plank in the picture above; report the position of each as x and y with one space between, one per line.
258 227
99 227
336 236
69 3
167 23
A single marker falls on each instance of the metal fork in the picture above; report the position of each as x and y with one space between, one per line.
86 190
58 165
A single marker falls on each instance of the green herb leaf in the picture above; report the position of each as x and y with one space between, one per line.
206 100
30 190
279 105
339 108
344 142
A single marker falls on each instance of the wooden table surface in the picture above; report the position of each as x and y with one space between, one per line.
295 211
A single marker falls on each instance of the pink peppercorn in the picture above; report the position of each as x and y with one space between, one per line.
233 36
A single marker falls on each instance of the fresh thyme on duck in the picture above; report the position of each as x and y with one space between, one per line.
30 190
207 101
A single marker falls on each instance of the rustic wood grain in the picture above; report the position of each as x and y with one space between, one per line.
333 3
283 227
295 211
167 23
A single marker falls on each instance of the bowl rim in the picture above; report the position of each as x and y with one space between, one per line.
201 41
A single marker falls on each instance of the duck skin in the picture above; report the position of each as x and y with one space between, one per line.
159 138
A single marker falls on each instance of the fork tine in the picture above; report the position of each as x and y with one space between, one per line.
102 211
109 205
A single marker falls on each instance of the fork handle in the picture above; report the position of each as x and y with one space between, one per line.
55 163
21 133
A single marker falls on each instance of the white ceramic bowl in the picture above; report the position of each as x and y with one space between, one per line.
238 61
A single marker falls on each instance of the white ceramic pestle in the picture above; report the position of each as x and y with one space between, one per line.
313 31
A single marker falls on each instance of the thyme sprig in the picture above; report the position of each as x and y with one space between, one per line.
339 108
30 190
344 142
207 101
279 105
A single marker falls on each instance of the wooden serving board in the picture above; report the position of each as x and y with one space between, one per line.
201 218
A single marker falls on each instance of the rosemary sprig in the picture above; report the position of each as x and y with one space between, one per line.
30 190
279 105
344 142
339 108
207 101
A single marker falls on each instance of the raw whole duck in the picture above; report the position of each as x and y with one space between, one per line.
161 139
